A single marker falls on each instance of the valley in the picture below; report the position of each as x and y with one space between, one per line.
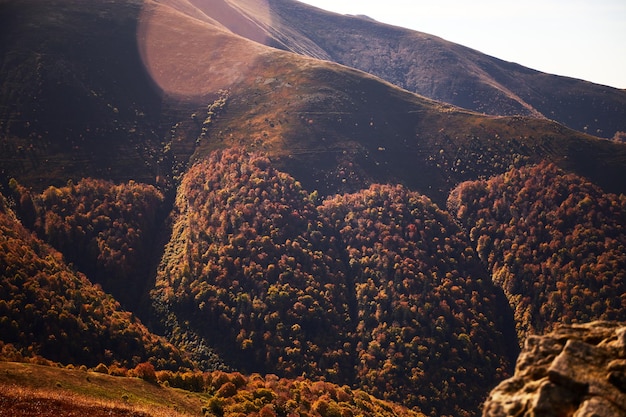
219 203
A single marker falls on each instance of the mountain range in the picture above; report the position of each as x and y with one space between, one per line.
275 189
423 63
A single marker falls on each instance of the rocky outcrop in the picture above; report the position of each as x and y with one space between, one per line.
578 370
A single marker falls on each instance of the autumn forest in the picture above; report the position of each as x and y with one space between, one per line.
379 289
259 208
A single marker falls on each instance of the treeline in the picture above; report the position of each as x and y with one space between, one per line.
106 230
554 242
234 394
49 310
378 289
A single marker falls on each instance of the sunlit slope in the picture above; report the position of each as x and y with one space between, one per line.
425 64
31 390
122 90
336 129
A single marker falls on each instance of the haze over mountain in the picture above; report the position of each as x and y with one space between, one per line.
425 64
272 211
581 40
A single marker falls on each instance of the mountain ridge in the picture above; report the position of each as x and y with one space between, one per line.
152 126
439 69
115 113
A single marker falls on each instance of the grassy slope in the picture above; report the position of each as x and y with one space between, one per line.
37 391
439 69
334 128
75 100
337 129
319 119
69 390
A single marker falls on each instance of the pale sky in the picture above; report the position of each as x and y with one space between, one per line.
583 39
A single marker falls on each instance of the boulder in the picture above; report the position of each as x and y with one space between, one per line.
578 370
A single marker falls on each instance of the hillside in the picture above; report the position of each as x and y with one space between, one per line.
31 390
250 269
28 390
75 99
553 241
284 217
362 291
140 104
419 289
106 230
425 64
48 309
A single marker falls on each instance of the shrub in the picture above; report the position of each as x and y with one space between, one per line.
145 371
227 390
101 368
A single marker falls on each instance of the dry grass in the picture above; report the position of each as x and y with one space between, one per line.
32 390
19 401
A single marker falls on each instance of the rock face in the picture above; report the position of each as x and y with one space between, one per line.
578 370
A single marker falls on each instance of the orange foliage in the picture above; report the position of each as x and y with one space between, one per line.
378 288
553 241
106 230
50 310
254 271
424 310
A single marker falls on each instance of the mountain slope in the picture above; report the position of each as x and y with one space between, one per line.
377 289
428 65
171 83
318 120
106 230
251 270
409 264
75 100
553 241
50 310
128 90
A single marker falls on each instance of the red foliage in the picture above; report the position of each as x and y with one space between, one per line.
145 371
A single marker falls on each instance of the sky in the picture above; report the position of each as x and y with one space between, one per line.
583 39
